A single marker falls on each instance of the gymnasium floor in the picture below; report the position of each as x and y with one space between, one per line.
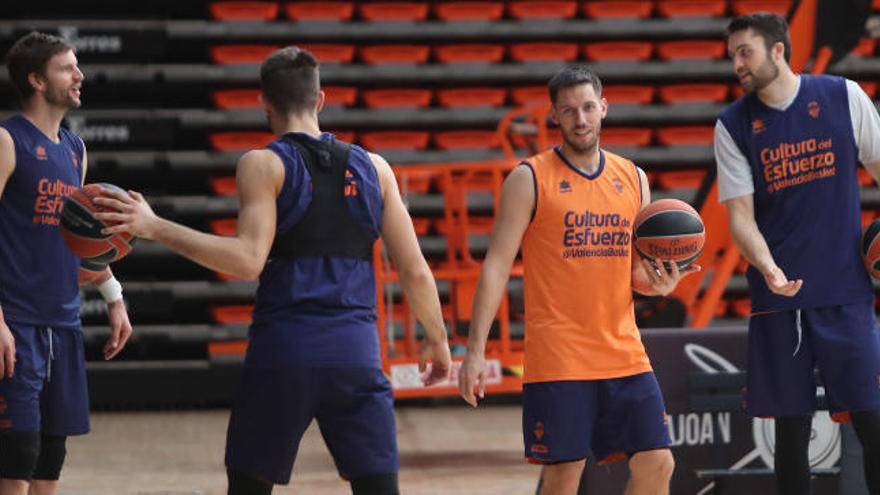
444 449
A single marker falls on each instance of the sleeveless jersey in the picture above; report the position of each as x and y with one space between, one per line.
807 203
38 273
577 256
319 310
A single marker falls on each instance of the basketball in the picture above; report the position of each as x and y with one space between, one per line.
669 229
81 231
871 248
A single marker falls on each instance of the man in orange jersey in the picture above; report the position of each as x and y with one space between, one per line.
589 387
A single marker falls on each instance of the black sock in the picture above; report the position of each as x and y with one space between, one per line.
243 484
867 426
792 457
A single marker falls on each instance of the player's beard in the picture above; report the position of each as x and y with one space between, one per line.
62 97
580 146
766 73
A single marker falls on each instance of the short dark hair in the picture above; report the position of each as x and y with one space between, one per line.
772 27
290 81
573 75
30 54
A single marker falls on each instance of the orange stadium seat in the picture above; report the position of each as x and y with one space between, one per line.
347 136
875 5
470 53
741 307
232 314
395 54
447 140
865 47
469 11
233 99
544 52
680 179
340 95
686 135
530 95
741 7
694 92
628 93
393 11
415 182
865 179
241 54
223 186
331 53
692 8
869 87
421 225
244 11
542 10
224 226
691 49
619 50
615 9
399 97
626 136
240 140
471 97
319 11
395 140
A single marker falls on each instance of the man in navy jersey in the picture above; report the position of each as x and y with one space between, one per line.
787 154
311 209
43 395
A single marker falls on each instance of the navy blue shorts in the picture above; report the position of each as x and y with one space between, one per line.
47 391
570 420
354 408
786 346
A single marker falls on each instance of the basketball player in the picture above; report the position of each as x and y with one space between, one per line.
311 209
43 395
588 384
787 155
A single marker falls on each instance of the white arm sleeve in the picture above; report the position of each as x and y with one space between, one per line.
865 122
734 172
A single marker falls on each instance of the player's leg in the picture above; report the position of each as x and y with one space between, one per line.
847 347
20 412
272 409
867 426
558 426
64 404
632 423
650 472
780 384
356 417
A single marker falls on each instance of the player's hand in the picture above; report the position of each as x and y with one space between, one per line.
663 280
436 353
133 214
7 351
780 284
120 328
472 375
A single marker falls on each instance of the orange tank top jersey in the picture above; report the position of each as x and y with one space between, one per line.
577 256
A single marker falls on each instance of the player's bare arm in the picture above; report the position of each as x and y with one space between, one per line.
259 177
514 216
753 246
416 278
7 342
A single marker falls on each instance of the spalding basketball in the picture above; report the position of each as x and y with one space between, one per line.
669 230
81 231
871 248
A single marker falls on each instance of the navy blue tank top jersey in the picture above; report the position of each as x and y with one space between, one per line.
319 310
804 162
38 273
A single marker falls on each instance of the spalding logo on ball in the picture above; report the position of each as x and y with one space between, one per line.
669 230
871 248
81 231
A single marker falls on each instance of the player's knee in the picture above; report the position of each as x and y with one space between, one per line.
655 465
19 452
53 450
377 484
